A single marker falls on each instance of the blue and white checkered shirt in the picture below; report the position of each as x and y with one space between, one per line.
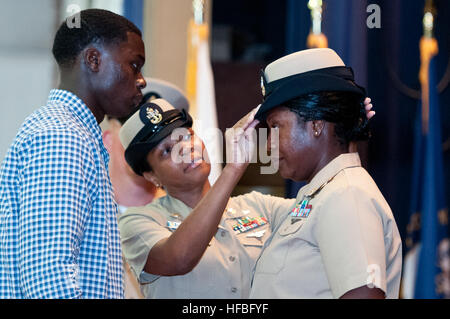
58 219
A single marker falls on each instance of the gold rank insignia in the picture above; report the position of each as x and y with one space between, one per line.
153 115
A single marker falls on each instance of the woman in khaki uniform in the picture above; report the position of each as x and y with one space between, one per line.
341 239
196 242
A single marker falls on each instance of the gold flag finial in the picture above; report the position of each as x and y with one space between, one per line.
316 39
198 6
316 15
428 19
428 24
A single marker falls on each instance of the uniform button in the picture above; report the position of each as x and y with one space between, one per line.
234 290
232 258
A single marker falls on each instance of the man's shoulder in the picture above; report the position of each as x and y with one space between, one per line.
51 123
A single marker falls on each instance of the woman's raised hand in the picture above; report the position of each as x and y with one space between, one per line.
241 140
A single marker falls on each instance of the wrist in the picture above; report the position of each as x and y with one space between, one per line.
235 170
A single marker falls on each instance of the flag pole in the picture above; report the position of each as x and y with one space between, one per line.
199 12
428 49
200 89
196 30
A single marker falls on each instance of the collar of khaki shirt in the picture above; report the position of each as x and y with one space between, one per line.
339 163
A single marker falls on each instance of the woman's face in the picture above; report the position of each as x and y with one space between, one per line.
297 145
178 163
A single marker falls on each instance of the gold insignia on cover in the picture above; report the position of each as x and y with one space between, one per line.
153 115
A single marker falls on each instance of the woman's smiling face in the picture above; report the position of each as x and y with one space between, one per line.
179 162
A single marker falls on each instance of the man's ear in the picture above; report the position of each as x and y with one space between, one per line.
92 58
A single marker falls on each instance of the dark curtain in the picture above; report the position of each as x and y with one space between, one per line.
386 61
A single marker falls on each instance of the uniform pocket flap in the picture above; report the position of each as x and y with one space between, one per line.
291 228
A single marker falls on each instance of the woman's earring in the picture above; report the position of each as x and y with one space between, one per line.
316 133
157 185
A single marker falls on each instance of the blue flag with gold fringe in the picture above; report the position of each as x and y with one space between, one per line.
426 267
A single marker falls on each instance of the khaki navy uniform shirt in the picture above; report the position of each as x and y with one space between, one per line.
131 287
347 240
225 268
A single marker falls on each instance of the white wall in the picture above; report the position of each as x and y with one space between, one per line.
165 36
26 64
27 67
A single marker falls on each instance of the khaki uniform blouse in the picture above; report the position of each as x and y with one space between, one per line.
345 239
225 269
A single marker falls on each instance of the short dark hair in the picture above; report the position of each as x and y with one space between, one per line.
97 25
345 109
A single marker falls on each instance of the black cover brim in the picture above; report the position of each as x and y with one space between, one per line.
137 152
309 83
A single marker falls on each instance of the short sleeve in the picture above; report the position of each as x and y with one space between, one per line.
139 233
349 233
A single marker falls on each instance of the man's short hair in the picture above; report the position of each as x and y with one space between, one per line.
97 26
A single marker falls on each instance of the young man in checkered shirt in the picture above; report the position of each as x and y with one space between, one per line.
58 218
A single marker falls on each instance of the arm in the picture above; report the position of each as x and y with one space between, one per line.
54 207
179 253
